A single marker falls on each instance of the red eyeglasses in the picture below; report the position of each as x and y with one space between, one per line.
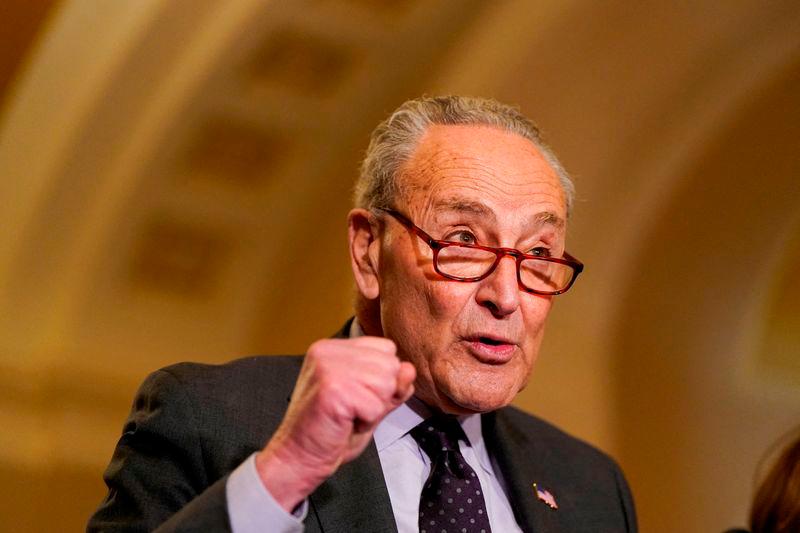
472 262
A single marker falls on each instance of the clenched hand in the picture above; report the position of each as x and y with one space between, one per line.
345 388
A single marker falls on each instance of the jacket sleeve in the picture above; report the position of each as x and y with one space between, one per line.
157 476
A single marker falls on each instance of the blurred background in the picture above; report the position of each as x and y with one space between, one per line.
175 177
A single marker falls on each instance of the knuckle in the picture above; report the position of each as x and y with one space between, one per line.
393 363
387 368
316 349
387 387
388 345
331 401
328 385
372 411
377 343
340 410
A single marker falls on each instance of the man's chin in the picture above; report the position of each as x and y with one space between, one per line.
464 403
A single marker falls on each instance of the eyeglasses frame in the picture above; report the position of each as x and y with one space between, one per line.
437 245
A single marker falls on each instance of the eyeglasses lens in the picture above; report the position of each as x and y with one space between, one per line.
464 262
544 276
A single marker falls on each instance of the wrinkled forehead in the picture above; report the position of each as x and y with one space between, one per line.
484 171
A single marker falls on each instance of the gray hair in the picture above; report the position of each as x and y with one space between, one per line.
394 140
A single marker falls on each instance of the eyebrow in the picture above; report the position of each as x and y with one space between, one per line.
462 205
548 218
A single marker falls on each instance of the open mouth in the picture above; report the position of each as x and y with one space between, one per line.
491 350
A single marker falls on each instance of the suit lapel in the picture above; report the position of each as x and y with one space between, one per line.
522 463
353 499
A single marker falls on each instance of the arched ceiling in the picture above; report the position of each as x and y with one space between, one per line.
190 179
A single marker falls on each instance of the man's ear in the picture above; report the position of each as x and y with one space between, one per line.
364 251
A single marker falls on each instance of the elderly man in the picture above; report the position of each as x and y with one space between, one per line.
457 246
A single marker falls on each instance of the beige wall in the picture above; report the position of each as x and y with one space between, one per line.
167 164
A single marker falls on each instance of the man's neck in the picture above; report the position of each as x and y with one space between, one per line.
368 315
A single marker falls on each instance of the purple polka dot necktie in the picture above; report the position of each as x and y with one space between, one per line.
452 498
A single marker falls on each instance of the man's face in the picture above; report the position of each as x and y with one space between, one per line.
473 344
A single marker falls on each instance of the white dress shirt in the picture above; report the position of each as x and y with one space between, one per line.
406 467
251 508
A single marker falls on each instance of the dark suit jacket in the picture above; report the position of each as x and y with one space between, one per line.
192 424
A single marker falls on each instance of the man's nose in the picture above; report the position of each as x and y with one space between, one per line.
499 291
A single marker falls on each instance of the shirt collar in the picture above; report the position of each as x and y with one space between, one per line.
355 329
396 425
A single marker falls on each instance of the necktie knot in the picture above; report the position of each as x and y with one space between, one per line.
438 434
438 437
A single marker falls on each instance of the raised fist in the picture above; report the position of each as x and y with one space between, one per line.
345 388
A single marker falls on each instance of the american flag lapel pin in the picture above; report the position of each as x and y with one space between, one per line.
545 496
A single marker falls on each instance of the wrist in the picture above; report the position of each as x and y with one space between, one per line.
287 477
